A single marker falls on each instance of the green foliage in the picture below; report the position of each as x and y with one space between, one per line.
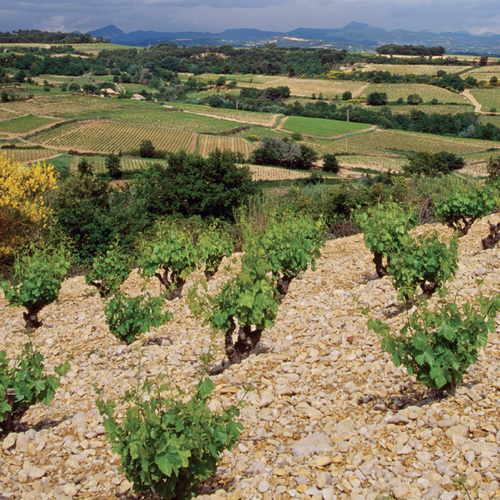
428 164
330 163
36 281
493 169
167 444
128 317
377 99
290 244
85 167
384 228
460 207
146 149
214 243
171 257
346 95
439 345
28 380
113 166
108 271
414 99
425 262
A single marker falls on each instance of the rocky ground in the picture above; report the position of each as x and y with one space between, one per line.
330 416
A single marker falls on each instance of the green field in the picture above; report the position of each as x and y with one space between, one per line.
489 98
321 127
439 109
427 92
24 124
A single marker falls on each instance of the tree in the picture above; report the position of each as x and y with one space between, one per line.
377 99
414 99
330 163
85 167
346 95
113 166
146 149
428 164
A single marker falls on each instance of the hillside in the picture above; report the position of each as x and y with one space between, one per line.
317 371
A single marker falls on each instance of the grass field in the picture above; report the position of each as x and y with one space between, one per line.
415 142
321 127
24 124
489 98
305 87
413 69
427 92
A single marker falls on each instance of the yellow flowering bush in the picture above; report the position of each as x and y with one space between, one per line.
24 206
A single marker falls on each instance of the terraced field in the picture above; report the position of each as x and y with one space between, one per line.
414 69
209 143
380 163
489 98
412 141
305 87
427 92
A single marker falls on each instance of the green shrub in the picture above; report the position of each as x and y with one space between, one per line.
167 444
113 166
423 262
214 243
36 282
28 382
459 208
439 345
171 257
128 317
108 271
384 228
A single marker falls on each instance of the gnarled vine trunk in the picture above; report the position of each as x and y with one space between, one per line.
31 318
246 341
379 264
493 238
174 283
212 267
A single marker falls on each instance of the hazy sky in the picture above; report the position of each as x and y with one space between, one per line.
476 16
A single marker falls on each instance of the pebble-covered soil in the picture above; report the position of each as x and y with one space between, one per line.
330 416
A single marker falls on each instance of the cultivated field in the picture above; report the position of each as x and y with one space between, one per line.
127 164
439 109
495 120
25 155
305 87
380 163
427 92
489 98
413 69
260 173
263 119
24 124
321 127
104 136
412 141
209 143
186 122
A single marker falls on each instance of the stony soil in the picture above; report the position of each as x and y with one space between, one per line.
330 416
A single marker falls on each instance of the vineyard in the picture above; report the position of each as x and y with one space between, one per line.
411 141
305 87
438 109
187 122
25 155
489 98
106 136
395 91
263 119
321 127
24 124
7 115
209 143
260 173
495 120
413 69
379 163
126 164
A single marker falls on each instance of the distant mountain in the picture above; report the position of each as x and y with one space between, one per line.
354 37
